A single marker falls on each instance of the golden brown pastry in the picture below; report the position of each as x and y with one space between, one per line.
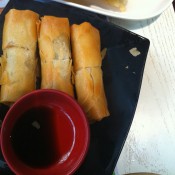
85 40
19 54
120 4
55 54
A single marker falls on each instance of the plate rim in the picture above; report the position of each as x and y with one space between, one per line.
118 15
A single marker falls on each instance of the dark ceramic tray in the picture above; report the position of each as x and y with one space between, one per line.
122 74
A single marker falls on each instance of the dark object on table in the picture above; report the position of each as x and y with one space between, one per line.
122 81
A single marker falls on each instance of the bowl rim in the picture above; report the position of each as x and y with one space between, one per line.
43 170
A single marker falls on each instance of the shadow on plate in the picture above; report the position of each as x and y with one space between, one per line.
132 25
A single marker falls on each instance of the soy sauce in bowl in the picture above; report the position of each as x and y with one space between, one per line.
45 132
34 137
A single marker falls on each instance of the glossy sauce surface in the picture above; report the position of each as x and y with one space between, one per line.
38 137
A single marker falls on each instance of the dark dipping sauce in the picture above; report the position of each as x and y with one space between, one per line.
35 139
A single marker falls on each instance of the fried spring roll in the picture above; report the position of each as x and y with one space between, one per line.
85 40
55 54
18 61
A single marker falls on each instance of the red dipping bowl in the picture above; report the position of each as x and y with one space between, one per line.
63 139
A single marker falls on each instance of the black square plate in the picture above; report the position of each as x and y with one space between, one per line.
122 74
